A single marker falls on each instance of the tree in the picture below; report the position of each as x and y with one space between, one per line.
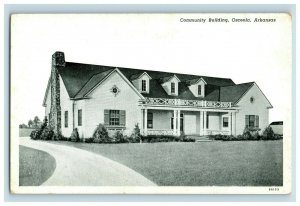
30 123
36 121
22 125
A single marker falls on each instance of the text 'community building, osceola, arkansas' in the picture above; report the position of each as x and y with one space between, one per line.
83 96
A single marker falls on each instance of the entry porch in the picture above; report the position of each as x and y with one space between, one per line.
163 121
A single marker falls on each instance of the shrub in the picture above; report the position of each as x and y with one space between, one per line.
184 138
47 134
136 135
167 138
229 137
251 134
268 134
36 134
59 137
100 135
89 140
75 136
119 137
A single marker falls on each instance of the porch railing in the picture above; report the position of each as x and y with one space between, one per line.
184 102
171 132
159 132
215 132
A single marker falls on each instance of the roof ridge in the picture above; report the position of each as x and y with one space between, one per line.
237 84
147 70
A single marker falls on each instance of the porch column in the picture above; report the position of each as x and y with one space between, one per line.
229 122
141 123
233 122
201 123
145 121
178 122
174 122
205 123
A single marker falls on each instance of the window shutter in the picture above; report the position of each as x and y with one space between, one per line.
106 117
257 121
247 121
122 117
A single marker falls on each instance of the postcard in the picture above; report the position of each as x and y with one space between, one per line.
181 103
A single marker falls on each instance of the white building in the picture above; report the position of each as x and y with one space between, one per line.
82 96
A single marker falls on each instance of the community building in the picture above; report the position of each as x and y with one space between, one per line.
83 96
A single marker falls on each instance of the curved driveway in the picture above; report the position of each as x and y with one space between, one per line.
76 167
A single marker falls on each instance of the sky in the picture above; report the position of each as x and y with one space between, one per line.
244 52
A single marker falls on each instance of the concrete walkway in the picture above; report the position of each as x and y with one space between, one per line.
76 167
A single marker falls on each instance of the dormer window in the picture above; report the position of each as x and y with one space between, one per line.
199 90
141 81
170 84
197 86
144 85
173 87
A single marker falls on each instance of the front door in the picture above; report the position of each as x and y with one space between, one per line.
190 124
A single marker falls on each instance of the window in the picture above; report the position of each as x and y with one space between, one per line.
144 86
181 122
207 121
199 89
114 117
150 120
252 121
172 87
66 119
225 121
80 117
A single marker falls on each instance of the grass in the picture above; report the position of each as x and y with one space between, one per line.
247 163
25 132
35 166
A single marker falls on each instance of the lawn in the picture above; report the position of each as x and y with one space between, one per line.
247 163
25 132
35 166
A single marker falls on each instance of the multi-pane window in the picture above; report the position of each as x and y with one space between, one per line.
252 121
114 117
80 117
181 122
66 119
225 121
172 87
150 120
144 85
199 89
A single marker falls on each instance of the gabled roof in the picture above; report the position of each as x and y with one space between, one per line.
195 81
168 78
137 76
92 82
75 75
79 78
235 92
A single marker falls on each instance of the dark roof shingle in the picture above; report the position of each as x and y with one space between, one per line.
234 93
79 79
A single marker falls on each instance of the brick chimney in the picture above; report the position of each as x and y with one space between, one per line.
58 61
